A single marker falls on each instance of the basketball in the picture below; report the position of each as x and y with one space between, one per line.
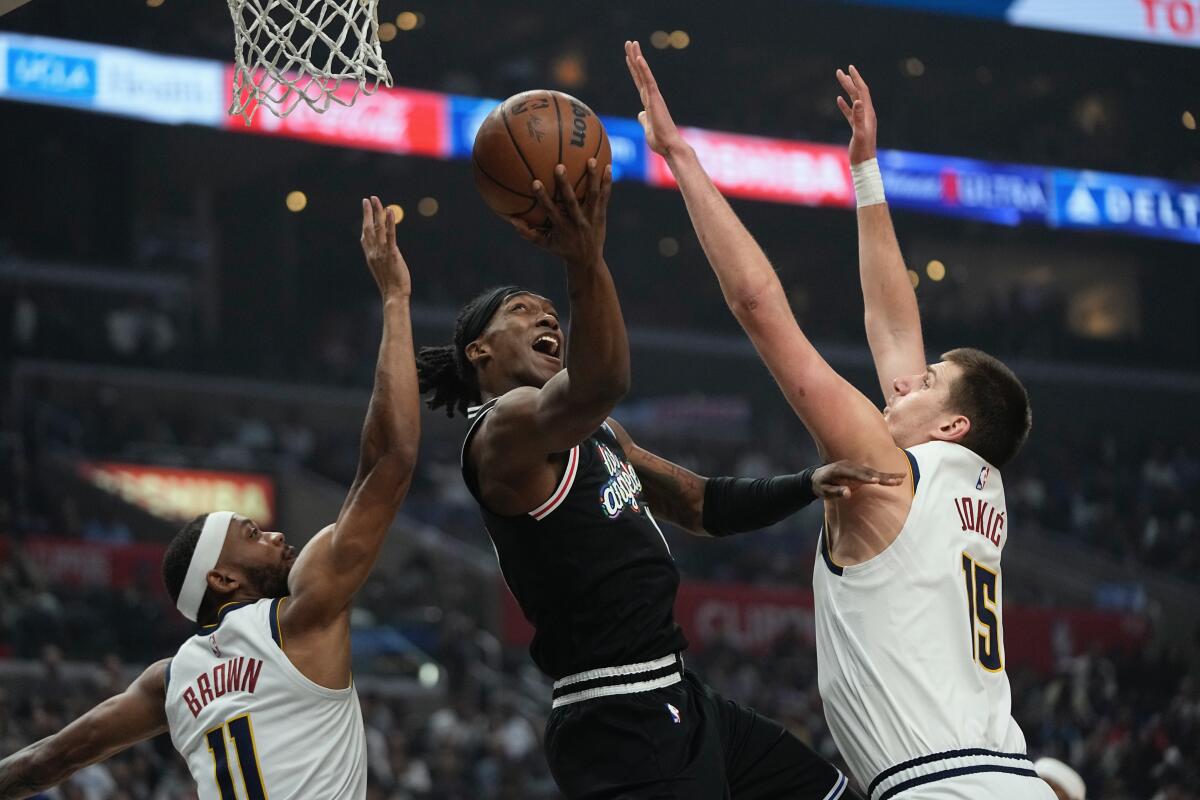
524 138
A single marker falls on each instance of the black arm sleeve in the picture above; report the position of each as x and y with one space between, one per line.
735 505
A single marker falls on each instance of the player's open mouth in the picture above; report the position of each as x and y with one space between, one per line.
548 345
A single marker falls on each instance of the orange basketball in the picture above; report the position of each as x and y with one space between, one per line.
524 138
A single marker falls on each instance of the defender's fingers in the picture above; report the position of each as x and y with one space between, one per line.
847 84
847 112
390 230
859 83
368 216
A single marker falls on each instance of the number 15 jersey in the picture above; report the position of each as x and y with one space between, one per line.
910 644
250 725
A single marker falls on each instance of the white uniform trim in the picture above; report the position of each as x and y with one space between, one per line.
620 688
564 487
204 558
614 672
839 788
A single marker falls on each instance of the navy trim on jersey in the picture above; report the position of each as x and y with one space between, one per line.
823 544
916 471
273 617
947 773
167 675
222 612
954 773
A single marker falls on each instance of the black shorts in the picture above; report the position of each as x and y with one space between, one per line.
684 741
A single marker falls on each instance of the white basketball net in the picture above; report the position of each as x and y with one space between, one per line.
289 52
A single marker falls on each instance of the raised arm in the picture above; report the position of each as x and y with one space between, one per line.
119 722
892 320
842 421
333 566
724 506
572 404
530 424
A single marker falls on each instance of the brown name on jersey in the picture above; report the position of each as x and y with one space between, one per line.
979 516
235 675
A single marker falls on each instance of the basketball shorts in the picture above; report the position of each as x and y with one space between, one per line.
682 742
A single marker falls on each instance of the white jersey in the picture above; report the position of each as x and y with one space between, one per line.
910 645
251 726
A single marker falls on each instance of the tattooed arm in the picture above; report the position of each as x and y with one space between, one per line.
722 506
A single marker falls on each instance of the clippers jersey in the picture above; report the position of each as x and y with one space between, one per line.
910 644
590 567
251 726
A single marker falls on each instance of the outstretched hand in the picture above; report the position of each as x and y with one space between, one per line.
860 113
574 231
661 134
379 246
836 481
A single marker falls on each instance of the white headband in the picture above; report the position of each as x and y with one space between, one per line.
204 558
1051 769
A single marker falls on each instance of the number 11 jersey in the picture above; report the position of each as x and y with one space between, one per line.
250 725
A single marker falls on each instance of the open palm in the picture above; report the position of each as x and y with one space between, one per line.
661 134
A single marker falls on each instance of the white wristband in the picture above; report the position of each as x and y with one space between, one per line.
868 183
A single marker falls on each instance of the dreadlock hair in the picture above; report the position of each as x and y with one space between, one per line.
444 372
178 557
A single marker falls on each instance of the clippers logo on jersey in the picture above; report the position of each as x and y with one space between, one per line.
623 488
980 516
984 472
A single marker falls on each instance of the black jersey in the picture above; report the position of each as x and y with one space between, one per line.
590 567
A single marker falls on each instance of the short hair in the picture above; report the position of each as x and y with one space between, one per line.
445 373
178 557
990 395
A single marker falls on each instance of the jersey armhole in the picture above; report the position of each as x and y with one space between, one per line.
167 676
273 619
914 470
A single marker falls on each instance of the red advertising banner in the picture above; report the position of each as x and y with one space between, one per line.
751 618
403 121
78 563
767 169
181 494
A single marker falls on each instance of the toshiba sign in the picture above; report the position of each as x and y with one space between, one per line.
181 494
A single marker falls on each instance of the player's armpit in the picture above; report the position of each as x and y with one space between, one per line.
674 493
119 722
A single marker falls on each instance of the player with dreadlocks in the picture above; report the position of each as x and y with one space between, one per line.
567 499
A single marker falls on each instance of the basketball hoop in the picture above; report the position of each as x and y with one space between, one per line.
289 52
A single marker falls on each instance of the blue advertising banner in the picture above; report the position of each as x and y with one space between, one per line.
1126 203
1004 194
48 71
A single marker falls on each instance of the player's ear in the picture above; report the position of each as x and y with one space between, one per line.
952 429
222 582
477 351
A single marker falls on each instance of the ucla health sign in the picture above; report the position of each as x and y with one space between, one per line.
47 70
1141 206
1004 194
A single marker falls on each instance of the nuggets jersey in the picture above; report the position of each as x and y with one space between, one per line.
251 726
910 644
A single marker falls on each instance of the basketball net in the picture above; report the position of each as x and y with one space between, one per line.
289 52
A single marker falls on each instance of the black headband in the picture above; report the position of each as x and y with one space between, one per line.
474 325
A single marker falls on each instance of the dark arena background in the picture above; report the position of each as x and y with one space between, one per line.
186 325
